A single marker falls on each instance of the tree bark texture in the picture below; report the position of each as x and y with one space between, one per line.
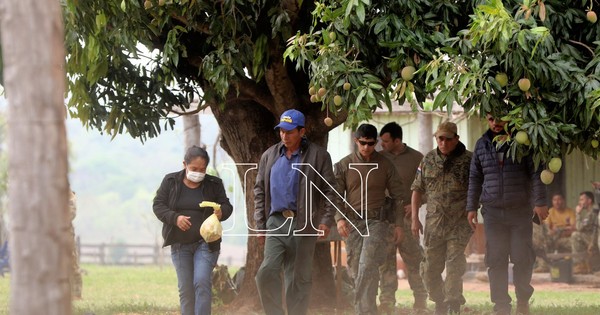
33 58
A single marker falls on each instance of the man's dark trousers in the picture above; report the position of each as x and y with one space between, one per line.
508 234
292 254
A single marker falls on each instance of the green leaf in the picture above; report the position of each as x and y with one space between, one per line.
360 12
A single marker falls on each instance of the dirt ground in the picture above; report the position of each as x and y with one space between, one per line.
477 282
474 281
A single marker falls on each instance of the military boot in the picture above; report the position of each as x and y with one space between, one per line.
454 309
386 309
522 308
441 308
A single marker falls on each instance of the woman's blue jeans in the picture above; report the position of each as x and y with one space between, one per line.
194 264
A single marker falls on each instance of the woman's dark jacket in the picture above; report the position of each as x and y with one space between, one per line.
168 193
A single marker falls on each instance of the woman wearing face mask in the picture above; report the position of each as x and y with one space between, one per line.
176 204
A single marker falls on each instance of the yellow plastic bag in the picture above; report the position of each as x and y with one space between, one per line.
211 229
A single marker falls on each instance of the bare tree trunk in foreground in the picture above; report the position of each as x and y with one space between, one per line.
33 59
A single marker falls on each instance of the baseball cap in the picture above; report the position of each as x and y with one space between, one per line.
291 119
447 129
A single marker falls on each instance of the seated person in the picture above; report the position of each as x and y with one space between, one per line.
560 224
582 239
555 234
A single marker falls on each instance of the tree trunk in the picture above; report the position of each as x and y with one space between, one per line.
192 130
425 124
247 131
33 58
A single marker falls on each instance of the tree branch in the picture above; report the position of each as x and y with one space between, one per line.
201 28
278 79
292 8
584 45
249 90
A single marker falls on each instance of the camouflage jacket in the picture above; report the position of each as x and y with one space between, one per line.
446 190
586 221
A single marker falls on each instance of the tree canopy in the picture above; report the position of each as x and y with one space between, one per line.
473 53
218 51
533 63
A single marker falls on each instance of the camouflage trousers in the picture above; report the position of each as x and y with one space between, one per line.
540 244
412 255
444 247
580 242
366 251
561 245
544 243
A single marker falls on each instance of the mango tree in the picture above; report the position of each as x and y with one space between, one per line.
535 64
134 65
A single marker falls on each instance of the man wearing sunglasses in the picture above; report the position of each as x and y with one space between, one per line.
443 176
363 177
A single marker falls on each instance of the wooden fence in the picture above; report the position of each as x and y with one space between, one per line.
123 254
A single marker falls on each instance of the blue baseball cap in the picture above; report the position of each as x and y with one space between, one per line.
291 119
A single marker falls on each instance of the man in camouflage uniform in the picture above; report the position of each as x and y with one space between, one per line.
596 236
406 160
582 238
443 176
363 177
75 278
540 247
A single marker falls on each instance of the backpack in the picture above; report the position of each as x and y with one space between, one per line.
223 287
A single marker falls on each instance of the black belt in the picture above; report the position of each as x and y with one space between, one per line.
371 215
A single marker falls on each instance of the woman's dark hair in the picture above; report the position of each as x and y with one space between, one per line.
195 152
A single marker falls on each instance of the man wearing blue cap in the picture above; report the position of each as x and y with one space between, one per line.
283 209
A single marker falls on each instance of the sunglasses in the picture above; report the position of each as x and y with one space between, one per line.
369 143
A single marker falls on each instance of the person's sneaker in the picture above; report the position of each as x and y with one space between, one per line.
522 308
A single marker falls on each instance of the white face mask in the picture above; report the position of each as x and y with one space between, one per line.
195 177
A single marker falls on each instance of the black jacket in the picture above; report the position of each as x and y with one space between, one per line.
166 199
503 184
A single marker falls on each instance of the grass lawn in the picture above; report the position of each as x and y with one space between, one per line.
153 290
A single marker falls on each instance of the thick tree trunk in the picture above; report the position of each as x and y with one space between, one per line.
33 58
247 132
